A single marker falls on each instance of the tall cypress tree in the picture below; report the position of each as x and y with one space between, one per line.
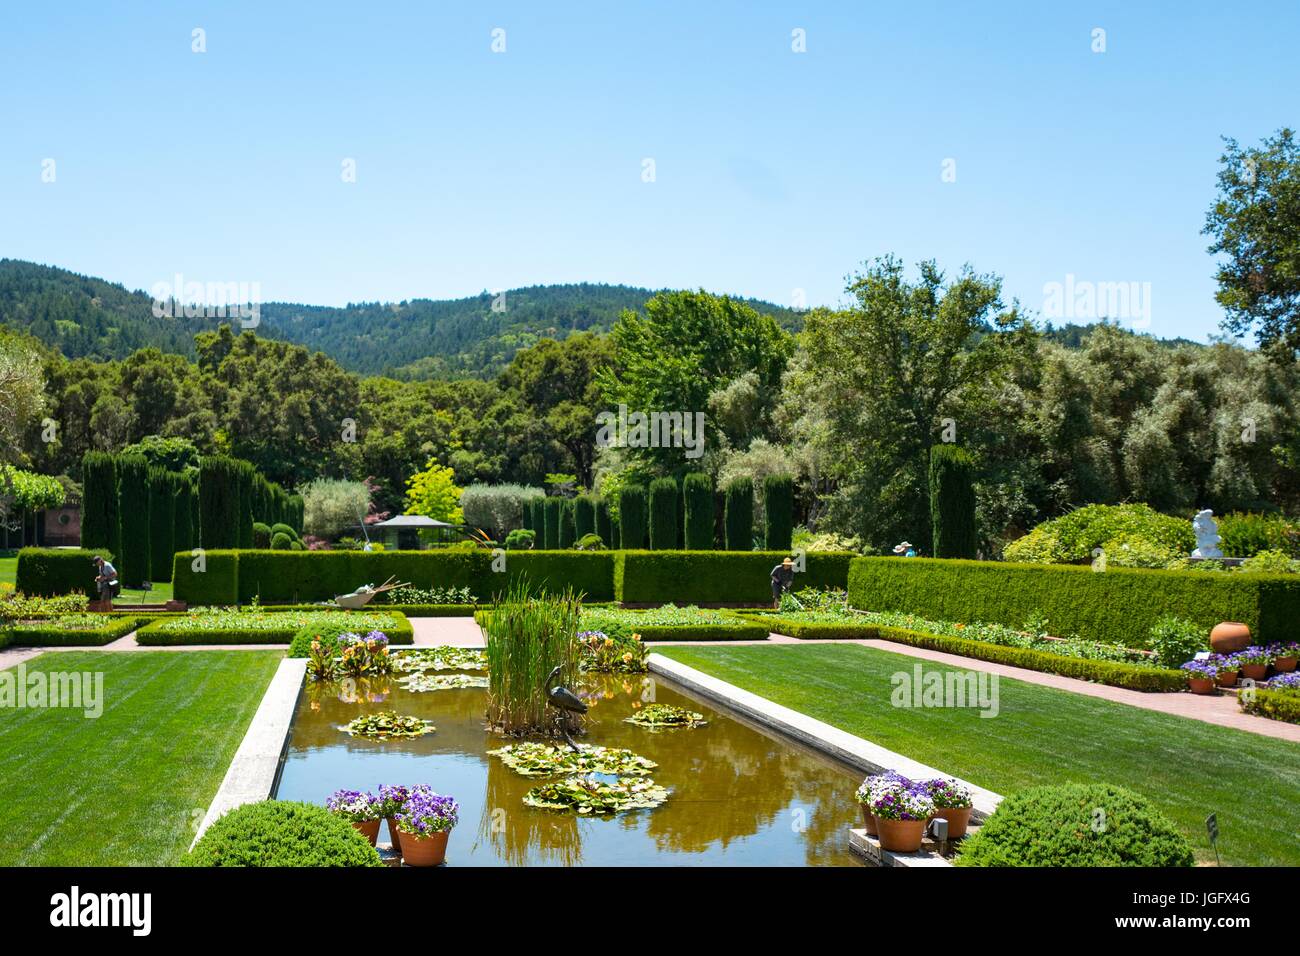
568 527
952 502
778 512
631 517
219 505
182 513
603 526
551 524
100 520
162 535
697 503
663 514
247 495
133 500
738 517
584 516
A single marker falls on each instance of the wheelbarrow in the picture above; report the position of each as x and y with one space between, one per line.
362 596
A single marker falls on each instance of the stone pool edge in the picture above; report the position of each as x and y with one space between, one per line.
838 744
253 770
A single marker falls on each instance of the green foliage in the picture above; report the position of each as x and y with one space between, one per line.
162 538
1059 826
1075 536
267 626
551 508
632 509
671 623
1119 606
604 526
184 505
778 512
1274 704
134 508
498 509
216 584
433 492
282 833
715 577
169 454
567 528
327 633
738 518
952 502
663 514
584 516
589 542
1176 640
219 502
26 491
100 521
1246 534
261 535
521 540
281 542
697 501
1271 562
90 630
247 476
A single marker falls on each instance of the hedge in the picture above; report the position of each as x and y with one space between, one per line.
952 502
697 505
100 523
810 631
716 577
133 501
778 512
663 514
1274 704
162 534
155 633
34 635
632 517
1117 606
217 583
282 834
48 572
738 514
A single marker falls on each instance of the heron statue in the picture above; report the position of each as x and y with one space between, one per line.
566 702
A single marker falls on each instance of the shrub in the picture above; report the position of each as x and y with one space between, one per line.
133 501
162 540
738 516
778 512
714 577
551 523
1176 640
327 634
282 833
589 542
663 514
584 516
1270 562
952 502
219 507
46 572
1246 535
57 633
100 519
604 527
671 623
281 542
332 506
1274 704
697 502
183 508
261 535
521 540
568 531
217 582
1058 826
632 517
498 508
1119 606
1073 537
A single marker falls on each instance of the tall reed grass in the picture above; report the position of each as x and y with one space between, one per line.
528 635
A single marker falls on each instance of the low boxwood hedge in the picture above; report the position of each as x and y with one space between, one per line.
282 833
810 631
716 577
1076 825
46 572
1274 704
157 634
1117 606
35 635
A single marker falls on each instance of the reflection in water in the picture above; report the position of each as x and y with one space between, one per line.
737 796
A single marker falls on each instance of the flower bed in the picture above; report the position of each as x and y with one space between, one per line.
69 630
1277 699
672 623
222 626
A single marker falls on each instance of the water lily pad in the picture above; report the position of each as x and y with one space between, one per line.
443 658
666 715
420 681
543 760
587 796
387 723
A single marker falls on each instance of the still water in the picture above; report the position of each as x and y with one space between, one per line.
738 797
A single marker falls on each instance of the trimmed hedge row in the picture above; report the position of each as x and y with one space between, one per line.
716 577
47 572
1117 606
33 635
1274 704
806 631
154 635
687 632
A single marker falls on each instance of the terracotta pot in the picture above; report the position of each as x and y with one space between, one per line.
424 851
1228 679
1254 671
395 835
369 829
900 836
958 820
868 819
1284 665
1200 685
1229 637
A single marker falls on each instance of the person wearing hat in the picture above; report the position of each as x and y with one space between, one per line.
782 579
106 581
906 549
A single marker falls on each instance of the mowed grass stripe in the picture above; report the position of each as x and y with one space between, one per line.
128 787
1041 735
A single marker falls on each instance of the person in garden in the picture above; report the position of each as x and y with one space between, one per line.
906 549
782 579
106 581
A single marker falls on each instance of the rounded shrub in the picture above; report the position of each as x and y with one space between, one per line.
282 833
1073 537
520 539
281 542
285 530
261 535
1076 825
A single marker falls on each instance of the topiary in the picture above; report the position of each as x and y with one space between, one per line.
261 535
663 514
520 540
282 833
738 517
952 502
778 512
281 542
589 542
285 530
1076 825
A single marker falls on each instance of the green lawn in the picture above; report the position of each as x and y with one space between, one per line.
1043 736
8 570
131 786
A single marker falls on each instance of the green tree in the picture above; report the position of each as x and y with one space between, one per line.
952 502
162 534
101 522
134 512
697 500
738 516
433 492
632 517
663 514
778 512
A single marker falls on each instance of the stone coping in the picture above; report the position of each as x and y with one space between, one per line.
862 755
255 769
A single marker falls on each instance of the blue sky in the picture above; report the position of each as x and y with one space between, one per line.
774 170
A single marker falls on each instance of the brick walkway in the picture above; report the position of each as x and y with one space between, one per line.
1220 709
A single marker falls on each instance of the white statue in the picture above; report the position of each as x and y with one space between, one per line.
1207 535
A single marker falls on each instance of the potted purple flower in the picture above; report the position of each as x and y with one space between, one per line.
1225 669
1285 656
901 812
358 808
391 800
1254 662
426 821
1201 676
865 795
952 802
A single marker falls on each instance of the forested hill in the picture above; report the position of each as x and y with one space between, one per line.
422 338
